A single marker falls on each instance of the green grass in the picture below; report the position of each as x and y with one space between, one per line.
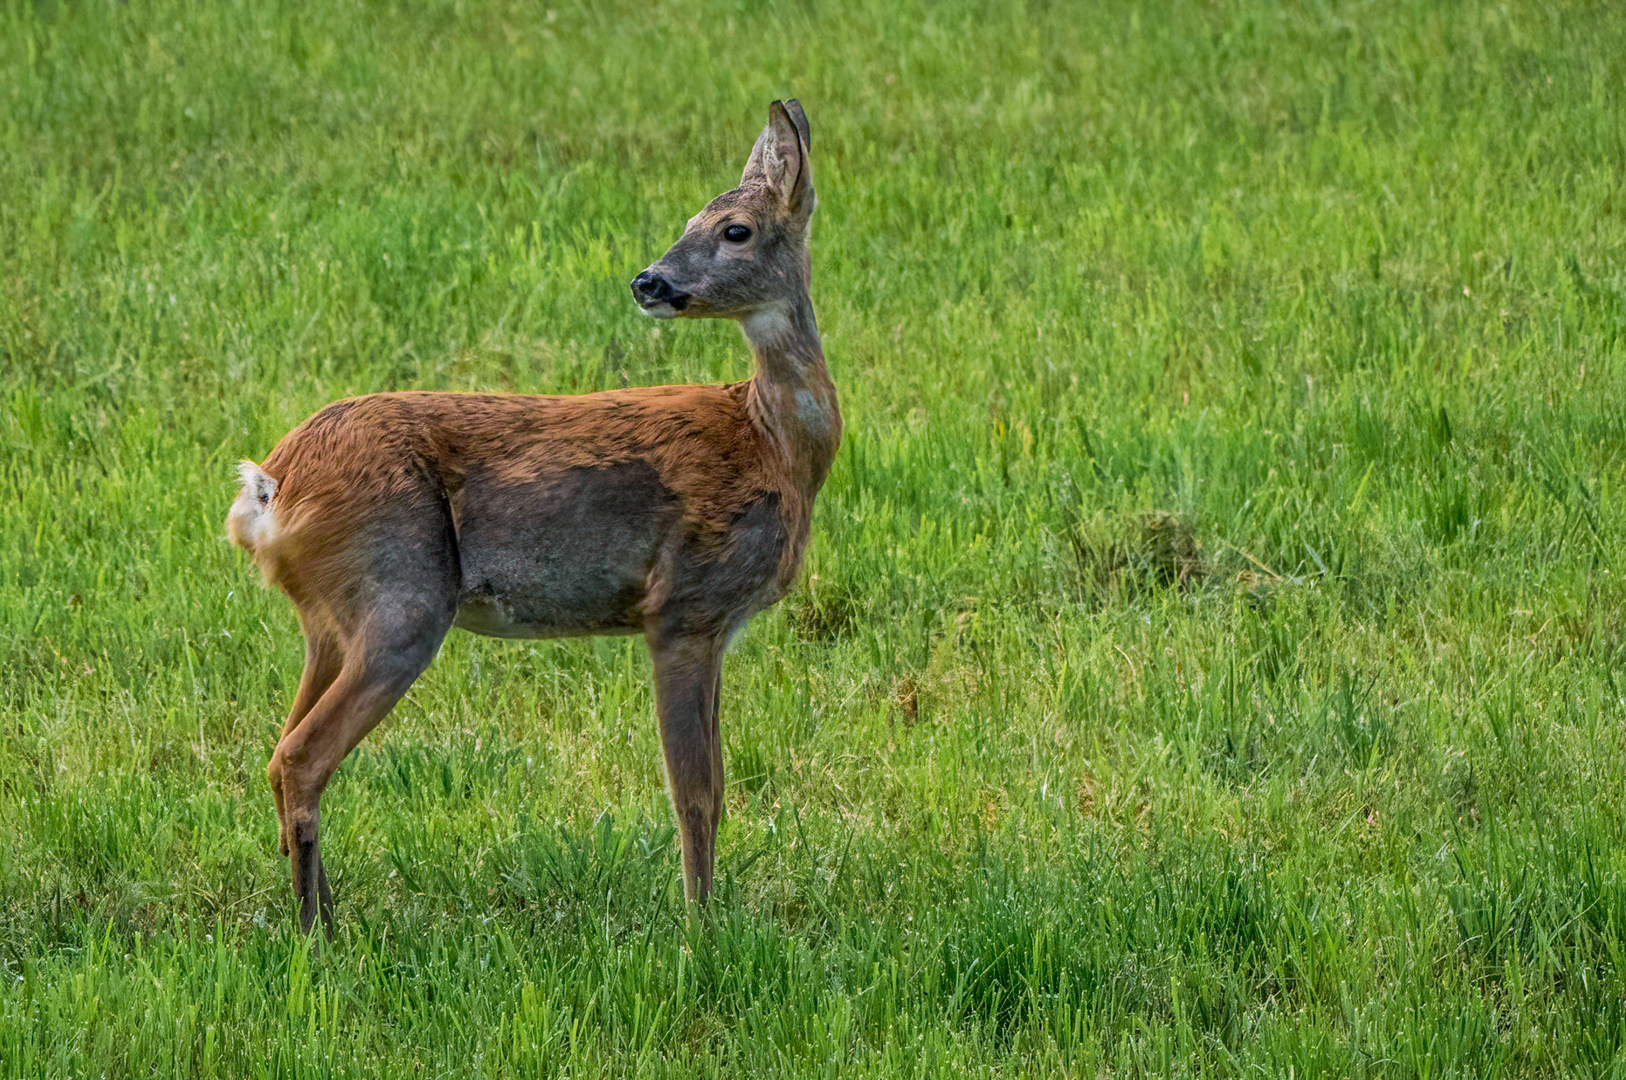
1212 659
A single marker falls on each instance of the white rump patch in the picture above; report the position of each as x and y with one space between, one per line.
251 523
256 482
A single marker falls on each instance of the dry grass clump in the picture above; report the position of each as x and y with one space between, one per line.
1120 557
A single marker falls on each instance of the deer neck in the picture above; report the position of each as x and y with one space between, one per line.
791 398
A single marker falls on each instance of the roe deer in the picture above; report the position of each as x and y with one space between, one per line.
672 511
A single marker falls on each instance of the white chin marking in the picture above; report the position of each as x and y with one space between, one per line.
662 310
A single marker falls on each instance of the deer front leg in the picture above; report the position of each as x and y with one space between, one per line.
686 685
717 742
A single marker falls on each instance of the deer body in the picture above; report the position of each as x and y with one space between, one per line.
676 512
551 516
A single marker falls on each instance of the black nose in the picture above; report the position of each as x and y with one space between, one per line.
649 288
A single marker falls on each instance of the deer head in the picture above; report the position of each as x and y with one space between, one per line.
745 254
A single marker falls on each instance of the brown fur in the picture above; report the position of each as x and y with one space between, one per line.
674 511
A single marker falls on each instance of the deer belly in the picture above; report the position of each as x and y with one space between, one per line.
559 556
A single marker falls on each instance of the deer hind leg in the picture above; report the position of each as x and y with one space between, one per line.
323 659
686 682
373 678
380 597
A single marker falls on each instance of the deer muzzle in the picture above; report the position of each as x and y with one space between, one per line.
656 295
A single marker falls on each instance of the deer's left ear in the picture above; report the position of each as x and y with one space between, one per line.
779 158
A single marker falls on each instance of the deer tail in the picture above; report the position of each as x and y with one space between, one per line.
252 521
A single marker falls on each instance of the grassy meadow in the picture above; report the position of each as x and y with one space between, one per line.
1211 659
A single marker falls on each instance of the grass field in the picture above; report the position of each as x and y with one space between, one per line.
1212 655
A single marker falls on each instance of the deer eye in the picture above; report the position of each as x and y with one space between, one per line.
736 234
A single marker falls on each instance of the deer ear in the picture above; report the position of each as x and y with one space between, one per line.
798 119
779 158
